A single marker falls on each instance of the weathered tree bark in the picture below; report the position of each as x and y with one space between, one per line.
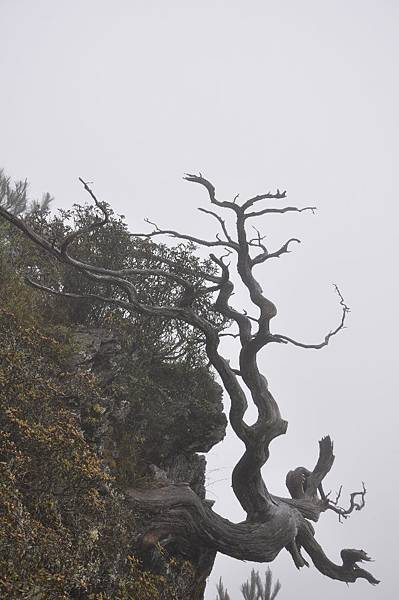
180 517
185 520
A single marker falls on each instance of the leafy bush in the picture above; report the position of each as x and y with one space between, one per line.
65 528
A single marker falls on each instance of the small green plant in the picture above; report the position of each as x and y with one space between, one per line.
222 593
254 589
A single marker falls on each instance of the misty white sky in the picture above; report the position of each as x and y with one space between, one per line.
256 95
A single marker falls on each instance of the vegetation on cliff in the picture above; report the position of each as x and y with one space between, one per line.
183 305
88 404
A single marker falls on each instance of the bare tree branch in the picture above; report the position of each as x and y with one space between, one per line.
228 334
269 211
100 223
211 191
343 513
269 196
187 271
73 295
285 339
265 255
222 224
183 236
272 522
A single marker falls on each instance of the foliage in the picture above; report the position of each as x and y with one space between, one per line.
115 245
13 196
61 520
182 297
144 585
65 528
157 387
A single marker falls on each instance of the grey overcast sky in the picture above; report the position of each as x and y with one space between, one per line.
256 95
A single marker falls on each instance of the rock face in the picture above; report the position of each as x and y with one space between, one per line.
153 420
155 415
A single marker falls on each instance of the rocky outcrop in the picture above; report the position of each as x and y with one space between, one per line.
150 425
157 414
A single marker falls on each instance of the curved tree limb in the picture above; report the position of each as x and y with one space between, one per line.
211 191
343 513
96 224
185 520
270 211
285 339
265 255
222 224
183 236
272 523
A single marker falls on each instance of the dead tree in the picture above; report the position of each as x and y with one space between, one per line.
180 517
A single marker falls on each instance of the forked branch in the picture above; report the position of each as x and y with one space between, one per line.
357 501
182 236
272 522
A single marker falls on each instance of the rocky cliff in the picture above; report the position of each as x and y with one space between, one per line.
150 426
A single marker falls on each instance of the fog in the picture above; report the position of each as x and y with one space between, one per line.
256 95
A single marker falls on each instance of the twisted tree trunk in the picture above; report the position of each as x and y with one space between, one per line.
181 519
